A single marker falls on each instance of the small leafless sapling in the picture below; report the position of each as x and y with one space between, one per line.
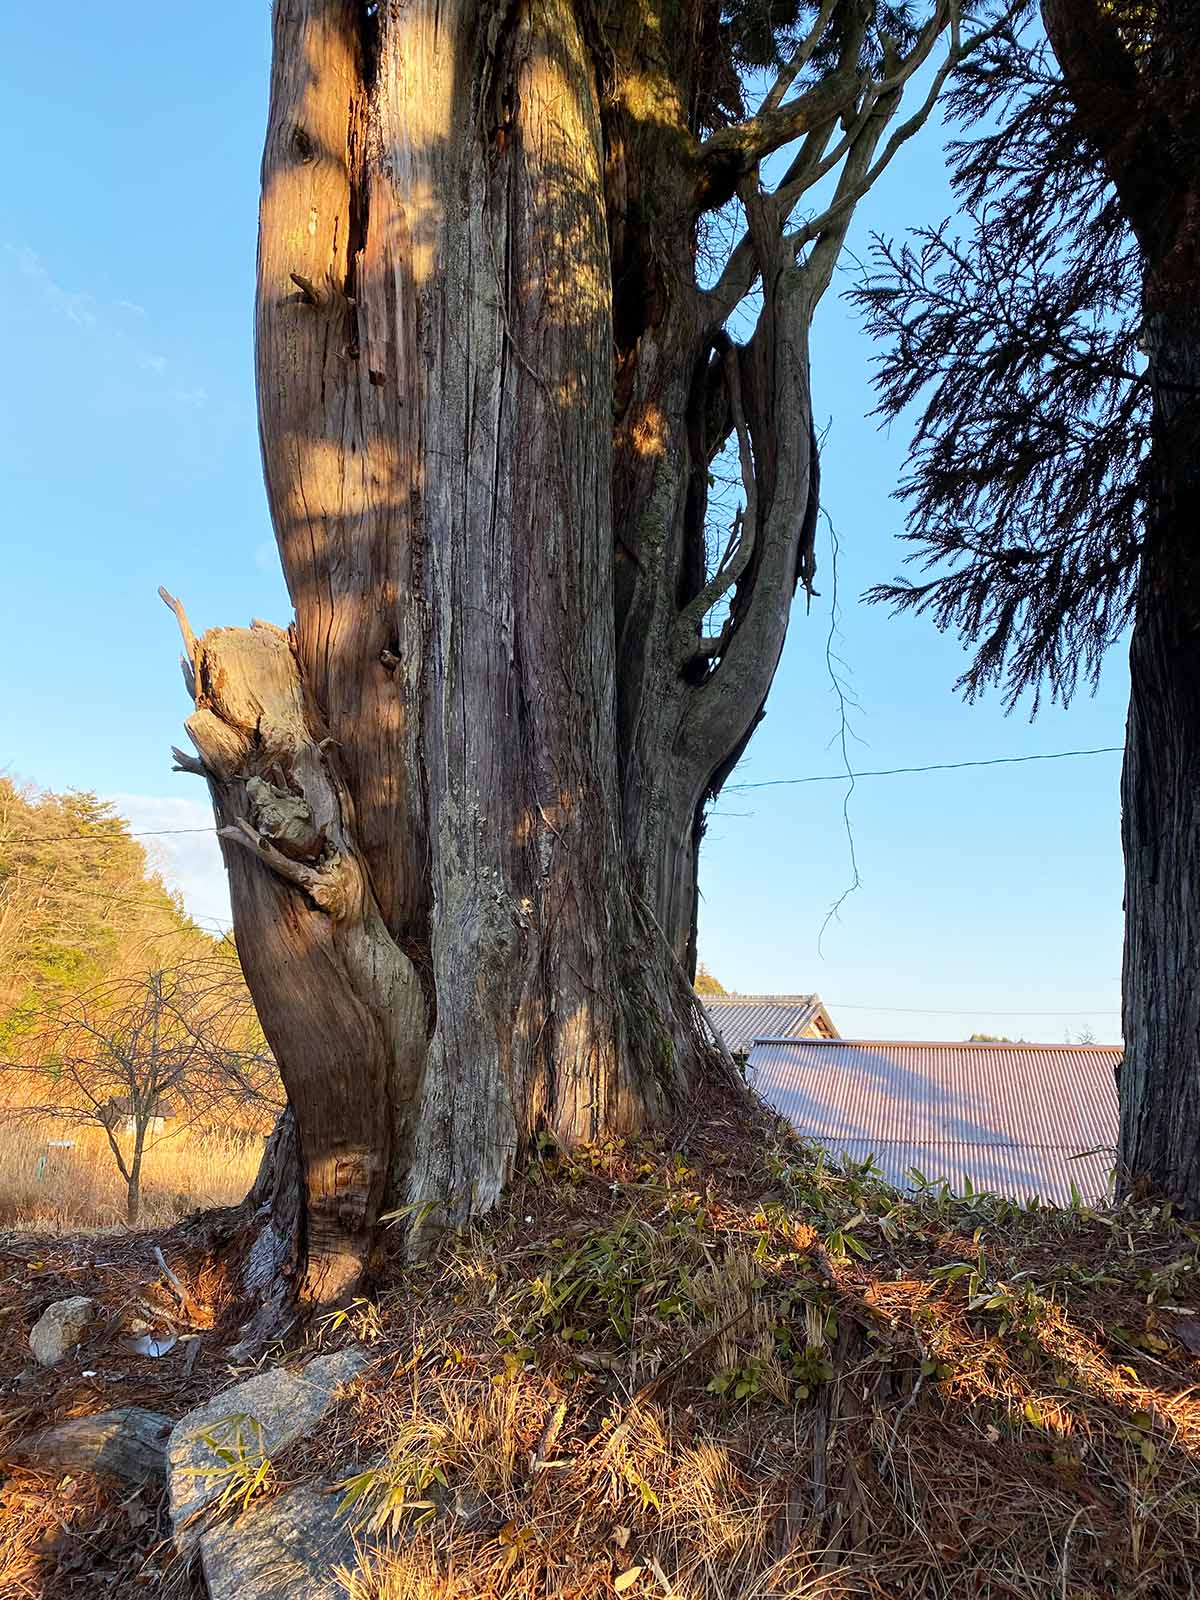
145 1058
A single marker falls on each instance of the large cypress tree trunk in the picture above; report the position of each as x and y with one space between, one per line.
1160 788
462 798
448 948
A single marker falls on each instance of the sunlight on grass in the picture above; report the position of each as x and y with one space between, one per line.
58 1177
746 1374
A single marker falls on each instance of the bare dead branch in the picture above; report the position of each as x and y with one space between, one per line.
187 763
181 617
298 872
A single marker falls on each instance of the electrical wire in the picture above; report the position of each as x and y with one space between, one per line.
842 1005
937 766
765 783
101 838
121 900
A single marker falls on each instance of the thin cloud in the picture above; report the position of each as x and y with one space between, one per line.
76 307
85 313
189 862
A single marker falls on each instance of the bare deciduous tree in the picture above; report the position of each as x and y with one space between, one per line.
462 799
144 1059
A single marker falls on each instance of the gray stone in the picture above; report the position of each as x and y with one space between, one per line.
262 1415
288 1548
60 1327
128 1443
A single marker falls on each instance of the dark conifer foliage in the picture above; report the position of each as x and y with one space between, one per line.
1053 346
1016 328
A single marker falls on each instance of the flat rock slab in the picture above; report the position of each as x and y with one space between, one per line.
258 1417
128 1443
284 1549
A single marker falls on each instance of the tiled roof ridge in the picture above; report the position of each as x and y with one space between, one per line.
736 999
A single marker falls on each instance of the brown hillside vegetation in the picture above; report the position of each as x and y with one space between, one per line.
79 902
145 1061
710 1366
88 930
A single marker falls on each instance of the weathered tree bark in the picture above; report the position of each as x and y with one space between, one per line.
461 799
446 947
1140 107
1160 792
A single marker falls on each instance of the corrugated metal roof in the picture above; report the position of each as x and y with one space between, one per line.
1008 1116
742 1018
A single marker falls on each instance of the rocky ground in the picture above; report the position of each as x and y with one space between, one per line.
708 1366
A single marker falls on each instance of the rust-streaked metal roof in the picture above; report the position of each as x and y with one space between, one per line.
1010 1117
740 1019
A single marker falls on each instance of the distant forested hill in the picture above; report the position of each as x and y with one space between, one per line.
79 905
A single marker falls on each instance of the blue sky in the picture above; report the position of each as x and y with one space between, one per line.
990 899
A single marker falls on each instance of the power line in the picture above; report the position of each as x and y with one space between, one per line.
937 766
842 1005
100 838
122 900
765 783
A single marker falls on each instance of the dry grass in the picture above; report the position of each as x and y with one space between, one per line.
67 1537
739 1376
713 1368
49 1189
